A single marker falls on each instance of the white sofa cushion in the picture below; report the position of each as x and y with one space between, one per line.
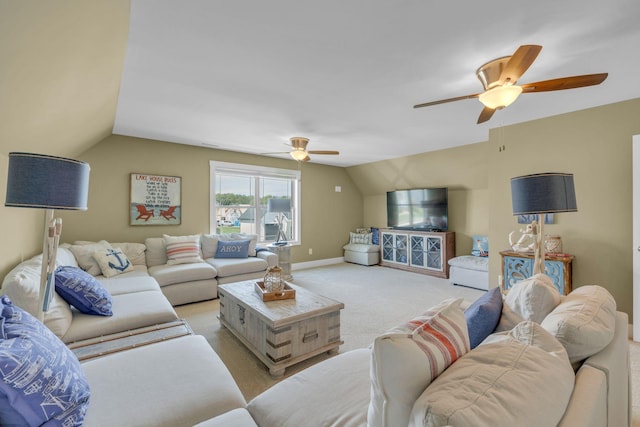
133 251
533 298
182 273
358 247
233 266
521 378
130 311
332 393
407 358
22 285
236 418
178 382
136 281
84 255
584 322
64 257
156 253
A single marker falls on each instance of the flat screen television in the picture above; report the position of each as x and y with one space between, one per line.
425 209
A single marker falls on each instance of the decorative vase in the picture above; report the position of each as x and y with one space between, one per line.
273 280
553 244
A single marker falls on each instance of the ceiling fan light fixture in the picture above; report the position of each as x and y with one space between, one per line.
299 155
500 96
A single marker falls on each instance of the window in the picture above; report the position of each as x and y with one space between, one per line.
240 201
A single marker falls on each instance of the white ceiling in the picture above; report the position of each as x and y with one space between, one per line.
248 75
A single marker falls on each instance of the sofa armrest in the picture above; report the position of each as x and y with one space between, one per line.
614 362
270 257
588 404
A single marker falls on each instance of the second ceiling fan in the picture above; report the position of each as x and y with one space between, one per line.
499 77
299 150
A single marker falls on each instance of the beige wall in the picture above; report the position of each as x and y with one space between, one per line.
327 216
59 80
594 145
463 170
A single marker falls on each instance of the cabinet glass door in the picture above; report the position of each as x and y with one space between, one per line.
401 248
434 253
417 251
387 247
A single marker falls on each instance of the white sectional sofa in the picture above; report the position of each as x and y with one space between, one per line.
198 281
542 360
137 301
508 380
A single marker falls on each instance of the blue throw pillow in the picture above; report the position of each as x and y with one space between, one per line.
483 316
83 291
41 380
233 249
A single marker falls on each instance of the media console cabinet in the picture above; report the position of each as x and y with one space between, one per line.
418 251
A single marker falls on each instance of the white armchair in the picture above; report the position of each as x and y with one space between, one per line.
360 250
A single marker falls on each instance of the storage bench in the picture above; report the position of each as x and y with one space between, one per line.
469 270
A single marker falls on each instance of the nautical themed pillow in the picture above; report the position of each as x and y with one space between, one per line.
41 380
112 262
83 291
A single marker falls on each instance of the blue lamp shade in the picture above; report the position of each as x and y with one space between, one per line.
543 193
47 182
279 205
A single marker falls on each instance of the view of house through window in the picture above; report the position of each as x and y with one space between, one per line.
241 201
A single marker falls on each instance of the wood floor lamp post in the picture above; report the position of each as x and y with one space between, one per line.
47 182
540 194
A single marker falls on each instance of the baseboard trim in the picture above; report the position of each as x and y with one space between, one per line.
317 263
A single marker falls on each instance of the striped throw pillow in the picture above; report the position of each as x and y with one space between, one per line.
183 249
406 359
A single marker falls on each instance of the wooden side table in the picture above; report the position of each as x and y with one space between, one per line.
284 259
517 266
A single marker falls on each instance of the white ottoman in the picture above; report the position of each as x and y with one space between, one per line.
471 271
358 253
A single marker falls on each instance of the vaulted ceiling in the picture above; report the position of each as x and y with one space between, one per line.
248 75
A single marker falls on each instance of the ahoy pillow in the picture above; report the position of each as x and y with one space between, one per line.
233 249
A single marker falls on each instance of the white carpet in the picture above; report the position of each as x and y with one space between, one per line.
375 298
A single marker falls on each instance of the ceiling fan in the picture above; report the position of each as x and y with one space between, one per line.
499 77
299 150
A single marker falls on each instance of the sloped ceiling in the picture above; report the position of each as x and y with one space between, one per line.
248 75
61 66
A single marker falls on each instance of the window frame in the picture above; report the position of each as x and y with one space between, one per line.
216 167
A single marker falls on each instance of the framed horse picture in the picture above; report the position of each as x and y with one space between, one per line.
155 200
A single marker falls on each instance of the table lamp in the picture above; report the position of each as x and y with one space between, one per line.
279 206
47 182
540 194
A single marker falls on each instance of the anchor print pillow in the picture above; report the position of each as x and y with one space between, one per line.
83 291
112 262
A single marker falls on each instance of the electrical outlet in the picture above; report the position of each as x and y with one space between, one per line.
310 251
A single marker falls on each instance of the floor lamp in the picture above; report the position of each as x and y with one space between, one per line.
47 182
540 194
279 206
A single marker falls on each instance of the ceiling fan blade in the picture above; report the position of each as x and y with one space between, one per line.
306 159
485 114
323 152
565 83
520 62
443 101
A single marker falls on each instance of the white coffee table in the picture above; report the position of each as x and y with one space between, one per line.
281 333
